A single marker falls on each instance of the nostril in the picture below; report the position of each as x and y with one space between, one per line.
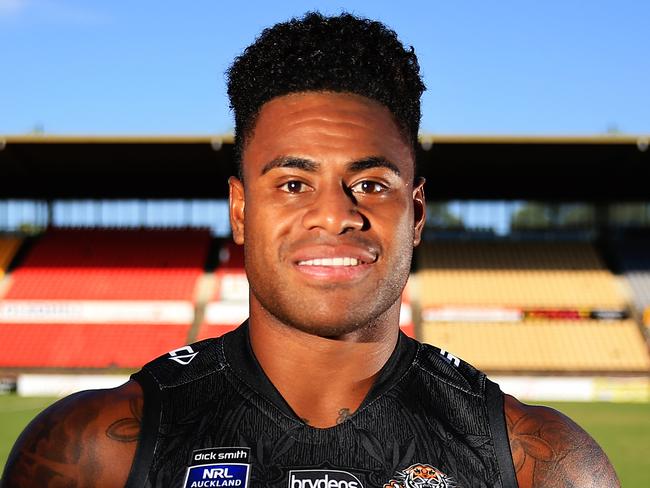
334 219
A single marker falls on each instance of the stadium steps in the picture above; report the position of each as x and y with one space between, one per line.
228 295
639 282
9 246
5 284
205 289
631 252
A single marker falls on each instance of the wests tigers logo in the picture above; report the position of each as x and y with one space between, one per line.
421 476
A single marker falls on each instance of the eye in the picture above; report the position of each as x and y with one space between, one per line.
294 186
368 186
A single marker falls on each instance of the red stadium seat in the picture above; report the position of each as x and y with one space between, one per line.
87 345
96 298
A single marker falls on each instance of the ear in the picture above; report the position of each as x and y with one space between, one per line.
236 207
419 210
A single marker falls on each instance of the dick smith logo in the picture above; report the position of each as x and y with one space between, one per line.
218 467
323 478
221 454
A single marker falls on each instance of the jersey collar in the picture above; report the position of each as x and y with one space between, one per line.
239 354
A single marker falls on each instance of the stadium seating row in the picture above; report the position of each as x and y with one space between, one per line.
521 289
98 264
519 275
87 345
547 346
103 284
509 255
119 248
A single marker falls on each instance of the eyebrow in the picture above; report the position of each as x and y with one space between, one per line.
312 166
291 162
373 162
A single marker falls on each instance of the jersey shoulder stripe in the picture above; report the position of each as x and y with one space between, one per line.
450 369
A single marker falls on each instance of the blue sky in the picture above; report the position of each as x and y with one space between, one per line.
491 67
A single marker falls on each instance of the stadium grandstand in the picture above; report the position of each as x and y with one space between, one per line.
535 262
101 298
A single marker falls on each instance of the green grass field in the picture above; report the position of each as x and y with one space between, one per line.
622 429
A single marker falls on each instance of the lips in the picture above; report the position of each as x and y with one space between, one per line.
334 255
334 263
346 261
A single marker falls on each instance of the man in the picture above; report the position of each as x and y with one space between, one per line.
318 389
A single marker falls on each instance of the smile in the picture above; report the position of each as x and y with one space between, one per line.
339 261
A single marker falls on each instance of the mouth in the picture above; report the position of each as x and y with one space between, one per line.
334 264
340 261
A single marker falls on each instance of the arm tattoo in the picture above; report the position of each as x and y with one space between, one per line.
127 429
344 414
53 449
64 446
549 450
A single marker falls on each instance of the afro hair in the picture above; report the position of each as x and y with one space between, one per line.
344 53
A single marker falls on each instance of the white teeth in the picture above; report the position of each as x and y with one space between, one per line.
346 261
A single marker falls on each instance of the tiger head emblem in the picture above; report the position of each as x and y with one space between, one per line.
421 476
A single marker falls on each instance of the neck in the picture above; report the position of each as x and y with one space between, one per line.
322 379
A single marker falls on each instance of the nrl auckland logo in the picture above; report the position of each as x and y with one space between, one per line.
218 467
421 476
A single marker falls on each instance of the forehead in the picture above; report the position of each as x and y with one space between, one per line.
326 127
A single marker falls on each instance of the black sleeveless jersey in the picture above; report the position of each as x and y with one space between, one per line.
213 419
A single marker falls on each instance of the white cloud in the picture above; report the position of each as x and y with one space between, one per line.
10 7
58 11
53 11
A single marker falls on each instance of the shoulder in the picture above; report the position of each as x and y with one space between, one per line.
86 439
550 450
183 365
447 368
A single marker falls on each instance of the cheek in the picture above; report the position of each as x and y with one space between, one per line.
396 225
400 244
266 223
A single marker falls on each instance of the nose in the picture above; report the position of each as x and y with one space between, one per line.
334 210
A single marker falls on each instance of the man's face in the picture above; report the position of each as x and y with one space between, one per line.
328 213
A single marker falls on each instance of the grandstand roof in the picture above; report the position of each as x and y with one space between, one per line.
604 168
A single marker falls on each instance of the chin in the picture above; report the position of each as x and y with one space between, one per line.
332 316
331 323
329 329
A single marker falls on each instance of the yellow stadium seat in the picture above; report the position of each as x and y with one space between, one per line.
524 275
544 346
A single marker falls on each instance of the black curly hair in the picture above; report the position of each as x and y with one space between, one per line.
344 53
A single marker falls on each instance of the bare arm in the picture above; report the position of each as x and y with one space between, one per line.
549 450
87 439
